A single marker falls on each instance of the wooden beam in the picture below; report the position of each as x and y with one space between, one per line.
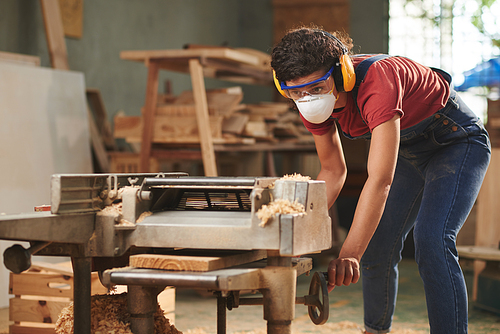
148 116
200 99
19 59
54 32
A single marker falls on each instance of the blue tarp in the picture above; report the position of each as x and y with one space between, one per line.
484 74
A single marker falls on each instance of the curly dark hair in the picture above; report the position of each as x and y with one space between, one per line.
305 50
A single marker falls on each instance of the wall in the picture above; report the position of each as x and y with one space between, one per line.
114 25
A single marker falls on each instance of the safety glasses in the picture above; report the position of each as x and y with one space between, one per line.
323 85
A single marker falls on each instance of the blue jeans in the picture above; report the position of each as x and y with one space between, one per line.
441 165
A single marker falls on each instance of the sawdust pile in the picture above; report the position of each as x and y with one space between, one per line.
296 177
283 206
109 314
113 209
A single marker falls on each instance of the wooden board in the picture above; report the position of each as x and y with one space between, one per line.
479 253
47 284
24 328
187 54
193 263
127 162
166 129
54 32
202 117
331 15
35 310
96 104
72 17
19 59
488 215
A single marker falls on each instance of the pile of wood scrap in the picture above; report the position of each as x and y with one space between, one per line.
230 121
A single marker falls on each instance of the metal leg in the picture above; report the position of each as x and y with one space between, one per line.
82 267
279 295
221 313
142 305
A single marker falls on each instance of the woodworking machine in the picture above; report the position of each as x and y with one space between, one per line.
101 220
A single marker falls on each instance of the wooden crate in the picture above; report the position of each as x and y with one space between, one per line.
43 291
125 162
40 295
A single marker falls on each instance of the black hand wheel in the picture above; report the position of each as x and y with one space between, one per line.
317 301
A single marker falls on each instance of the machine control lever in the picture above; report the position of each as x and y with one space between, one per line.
18 259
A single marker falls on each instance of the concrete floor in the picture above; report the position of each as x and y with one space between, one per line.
196 314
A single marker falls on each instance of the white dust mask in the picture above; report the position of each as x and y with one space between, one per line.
316 108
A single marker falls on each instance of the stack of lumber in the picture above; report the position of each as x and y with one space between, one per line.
230 121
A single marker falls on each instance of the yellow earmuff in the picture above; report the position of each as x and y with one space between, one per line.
348 74
278 86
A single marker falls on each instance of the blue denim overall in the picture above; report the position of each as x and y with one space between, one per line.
441 165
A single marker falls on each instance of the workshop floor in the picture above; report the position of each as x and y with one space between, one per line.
196 314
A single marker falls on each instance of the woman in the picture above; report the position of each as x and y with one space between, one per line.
427 159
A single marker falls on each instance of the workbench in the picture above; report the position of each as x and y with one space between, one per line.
235 65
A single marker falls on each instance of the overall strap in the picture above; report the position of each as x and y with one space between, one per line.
361 71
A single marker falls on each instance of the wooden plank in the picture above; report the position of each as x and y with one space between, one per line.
54 32
487 229
187 55
19 59
62 268
235 123
37 284
166 299
24 328
49 284
166 129
193 263
97 144
488 215
31 310
96 104
72 17
479 253
219 102
128 162
200 98
148 114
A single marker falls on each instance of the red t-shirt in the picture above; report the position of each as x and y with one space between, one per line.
391 85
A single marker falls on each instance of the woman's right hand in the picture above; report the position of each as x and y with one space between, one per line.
342 271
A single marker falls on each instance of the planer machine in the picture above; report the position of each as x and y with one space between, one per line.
101 220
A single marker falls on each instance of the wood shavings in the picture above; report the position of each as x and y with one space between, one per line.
295 177
143 215
291 177
109 314
282 206
113 209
